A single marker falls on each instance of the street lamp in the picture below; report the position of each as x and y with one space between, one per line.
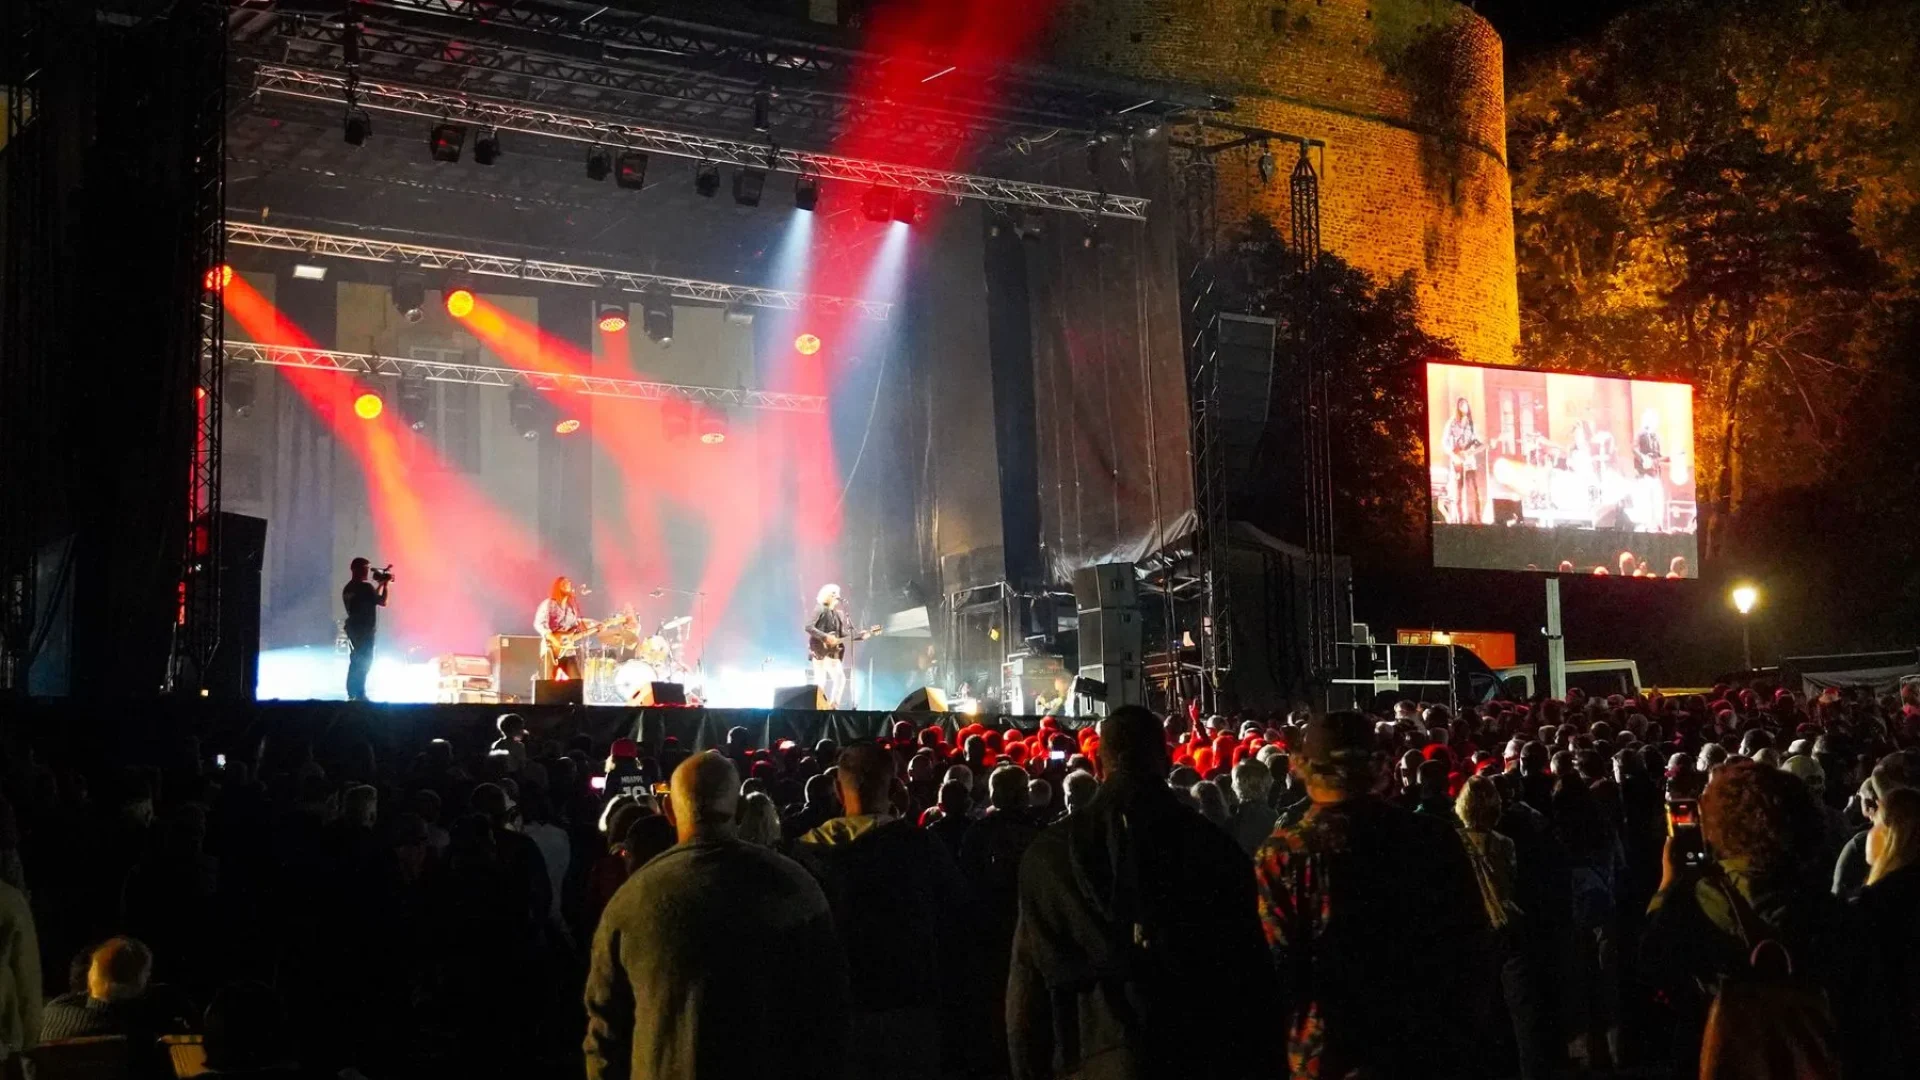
1744 598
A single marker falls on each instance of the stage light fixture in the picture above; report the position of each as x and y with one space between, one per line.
359 126
309 272
806 344
713 426
522 409
748 184
460 302
909 208
410 295
599 164
762 111
739 314
1090 234
218 278
630 170
368 406
613 318
1033 225
416 401
877 203
706 180
806 193
445 141
1268 168
486 148
566 427
657 316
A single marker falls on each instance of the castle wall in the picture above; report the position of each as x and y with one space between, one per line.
1408 96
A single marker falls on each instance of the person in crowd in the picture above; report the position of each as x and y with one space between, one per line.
1495 866
1374 988
20 992
540 823
518 853
718 959
1763 834
1212 804
1889 910
1040 801
1253 821
955 817
1835 832
878 870
1590 991
1430 786
647 838
1079 789
759 820
512 741
821 806
1851 869
1126 910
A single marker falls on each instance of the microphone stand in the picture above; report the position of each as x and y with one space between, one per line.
699 620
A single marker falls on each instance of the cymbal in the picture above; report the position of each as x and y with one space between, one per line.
675 624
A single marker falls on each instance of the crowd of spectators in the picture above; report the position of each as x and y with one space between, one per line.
1724 884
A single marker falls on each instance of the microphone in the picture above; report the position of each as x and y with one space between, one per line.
583 590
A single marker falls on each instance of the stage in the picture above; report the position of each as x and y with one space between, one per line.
69 732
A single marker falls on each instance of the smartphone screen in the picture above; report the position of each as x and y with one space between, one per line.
1057 755
1683 824
598 783
219 761
661 789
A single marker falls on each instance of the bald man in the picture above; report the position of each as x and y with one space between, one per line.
717 958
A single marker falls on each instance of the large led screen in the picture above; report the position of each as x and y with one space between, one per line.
1548 471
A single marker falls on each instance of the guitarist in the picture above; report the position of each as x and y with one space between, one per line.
827 635
1650 509
1463 448
560 627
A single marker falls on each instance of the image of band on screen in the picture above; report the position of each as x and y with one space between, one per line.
1540 470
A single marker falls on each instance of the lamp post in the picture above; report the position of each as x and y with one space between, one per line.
1744 598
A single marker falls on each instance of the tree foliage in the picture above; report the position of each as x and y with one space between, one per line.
1726 193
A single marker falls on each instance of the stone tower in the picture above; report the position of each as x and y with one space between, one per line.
1407 95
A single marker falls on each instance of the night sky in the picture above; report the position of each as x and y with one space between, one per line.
1530 26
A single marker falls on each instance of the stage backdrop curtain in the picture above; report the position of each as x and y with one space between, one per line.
1110 388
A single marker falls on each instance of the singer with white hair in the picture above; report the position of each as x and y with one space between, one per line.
827 635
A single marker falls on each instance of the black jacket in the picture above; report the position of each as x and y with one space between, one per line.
1127 908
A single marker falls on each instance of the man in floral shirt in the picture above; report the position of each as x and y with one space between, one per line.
1372 914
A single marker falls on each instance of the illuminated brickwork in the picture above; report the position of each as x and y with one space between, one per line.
1407 94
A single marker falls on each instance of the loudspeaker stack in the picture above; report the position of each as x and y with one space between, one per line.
1109 604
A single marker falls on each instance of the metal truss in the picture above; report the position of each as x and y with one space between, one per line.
1000 95
483 264
1316 426
398 367
435 60
432 104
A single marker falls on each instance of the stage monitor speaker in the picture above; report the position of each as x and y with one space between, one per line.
1108 585
664 693
559 691
516 663
801 698
925 699
1109 636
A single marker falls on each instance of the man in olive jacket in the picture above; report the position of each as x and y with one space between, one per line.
717 959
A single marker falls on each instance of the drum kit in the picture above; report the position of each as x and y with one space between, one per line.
620 665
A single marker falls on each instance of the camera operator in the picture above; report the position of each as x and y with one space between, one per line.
362 597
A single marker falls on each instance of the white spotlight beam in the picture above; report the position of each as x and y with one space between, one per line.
439 105
332 245
246 352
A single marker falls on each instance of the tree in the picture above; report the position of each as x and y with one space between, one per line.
1724 193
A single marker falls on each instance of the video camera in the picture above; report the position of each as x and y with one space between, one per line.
381 575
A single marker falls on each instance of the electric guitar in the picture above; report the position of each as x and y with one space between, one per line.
559 643
835 647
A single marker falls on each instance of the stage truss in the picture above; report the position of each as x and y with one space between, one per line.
398 367
485 264
527 119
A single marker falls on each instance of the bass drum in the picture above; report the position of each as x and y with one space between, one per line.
633 681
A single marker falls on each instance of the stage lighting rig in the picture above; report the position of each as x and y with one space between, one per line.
486 148
410 295
877 203
706 180
239 389
612 318
445 141
909 208
368 406
763 111
599 164
1033 225
806 193
1268 169
630 171
459 297
748 185
656 306
359 126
